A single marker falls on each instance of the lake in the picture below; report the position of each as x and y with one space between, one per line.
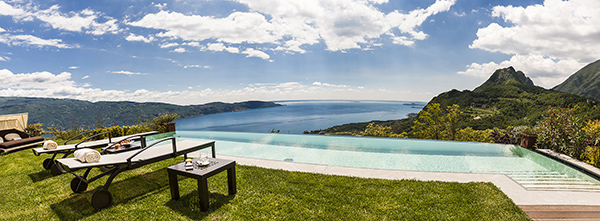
296 117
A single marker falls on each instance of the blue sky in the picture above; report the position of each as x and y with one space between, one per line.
194 52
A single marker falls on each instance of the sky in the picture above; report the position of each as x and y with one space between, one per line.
200 51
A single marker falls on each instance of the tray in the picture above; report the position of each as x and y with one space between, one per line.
124 148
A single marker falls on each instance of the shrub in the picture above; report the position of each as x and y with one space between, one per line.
160 123
562 132
60 134
503 136
34 130
373 130
468 134
591 153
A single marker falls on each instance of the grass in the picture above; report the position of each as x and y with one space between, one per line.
30 193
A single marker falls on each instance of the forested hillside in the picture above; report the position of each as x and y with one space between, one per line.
585 82
507 98
67 113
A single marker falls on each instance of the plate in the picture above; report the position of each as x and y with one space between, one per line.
203 163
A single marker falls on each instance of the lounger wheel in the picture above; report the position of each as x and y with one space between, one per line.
101 199
54 170
47 163
78 184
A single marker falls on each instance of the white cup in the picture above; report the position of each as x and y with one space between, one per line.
203 157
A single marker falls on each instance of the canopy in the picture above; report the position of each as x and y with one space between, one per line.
14 121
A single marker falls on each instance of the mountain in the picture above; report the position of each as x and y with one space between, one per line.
506 76
507 98
585 82
68 113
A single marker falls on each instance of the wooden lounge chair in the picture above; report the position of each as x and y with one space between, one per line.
13 140
68 149
124 161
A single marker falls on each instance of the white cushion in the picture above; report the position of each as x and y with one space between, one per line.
12 136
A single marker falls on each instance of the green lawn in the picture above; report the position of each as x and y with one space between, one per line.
30 193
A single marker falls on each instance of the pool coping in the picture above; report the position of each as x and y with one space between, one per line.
512 189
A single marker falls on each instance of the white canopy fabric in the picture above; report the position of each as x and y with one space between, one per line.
14 121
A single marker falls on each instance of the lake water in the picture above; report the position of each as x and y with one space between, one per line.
296 117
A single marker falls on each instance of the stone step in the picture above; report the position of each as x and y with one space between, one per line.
537 182
545 180
565 188
568 179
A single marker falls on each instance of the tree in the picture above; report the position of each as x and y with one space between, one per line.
452 119
373 130
430 123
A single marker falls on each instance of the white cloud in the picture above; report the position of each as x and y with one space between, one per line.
462 14
4 58
45 84
6 9
548 42
168 45
197 66
316 83
85 20
42 80
74 67
30 40
408 23
85 77
179 50
159 5
133 37
82 21
127 73
289 25
256 53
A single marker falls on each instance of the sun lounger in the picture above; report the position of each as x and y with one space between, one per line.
68 149
124 161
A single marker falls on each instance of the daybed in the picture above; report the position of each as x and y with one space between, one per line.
12 140
12 133
124 161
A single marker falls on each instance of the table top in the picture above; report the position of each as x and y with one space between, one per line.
216 165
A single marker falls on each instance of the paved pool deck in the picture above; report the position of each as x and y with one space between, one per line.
512 189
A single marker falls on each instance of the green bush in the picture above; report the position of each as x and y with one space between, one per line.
160 123
468 134
34 130
562 132
380 131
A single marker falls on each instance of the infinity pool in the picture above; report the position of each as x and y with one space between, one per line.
396 154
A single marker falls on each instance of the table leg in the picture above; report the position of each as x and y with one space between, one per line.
203 193
174 185
231 183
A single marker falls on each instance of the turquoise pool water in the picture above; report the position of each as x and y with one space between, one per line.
386 153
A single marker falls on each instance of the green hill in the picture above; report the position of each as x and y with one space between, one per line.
506 76
585 82
507 98
510 98
68 112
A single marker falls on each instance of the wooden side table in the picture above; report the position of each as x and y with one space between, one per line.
202 174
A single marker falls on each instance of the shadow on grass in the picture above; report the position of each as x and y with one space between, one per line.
189 204
40 175
132 189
